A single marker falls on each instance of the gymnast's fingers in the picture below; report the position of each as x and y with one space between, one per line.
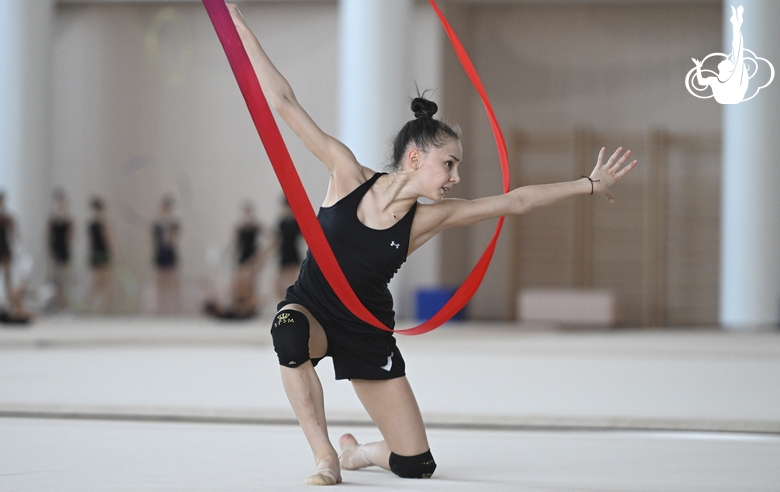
620 161
611 161
600 160
625 170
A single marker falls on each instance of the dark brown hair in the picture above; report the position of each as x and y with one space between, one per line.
424 131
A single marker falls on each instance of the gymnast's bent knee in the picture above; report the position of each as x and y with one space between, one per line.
420 466
290 333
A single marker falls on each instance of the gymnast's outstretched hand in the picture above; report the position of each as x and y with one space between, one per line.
606 175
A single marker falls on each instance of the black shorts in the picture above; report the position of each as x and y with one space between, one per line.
371 354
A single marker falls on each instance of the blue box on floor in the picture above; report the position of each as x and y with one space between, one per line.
428 301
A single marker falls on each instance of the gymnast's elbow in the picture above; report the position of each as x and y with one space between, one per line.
518 205
283 102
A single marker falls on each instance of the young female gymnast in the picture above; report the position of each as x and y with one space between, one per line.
60 235
244 301
287 237
165 244
14 294
372 222
101 249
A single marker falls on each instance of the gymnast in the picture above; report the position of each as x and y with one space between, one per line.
7 236
60 235
101 249
14 311
373 222
286 241
165 243
244 302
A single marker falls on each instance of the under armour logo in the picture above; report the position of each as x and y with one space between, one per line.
389 364
393 243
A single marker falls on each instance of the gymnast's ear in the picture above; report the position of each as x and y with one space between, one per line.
414 158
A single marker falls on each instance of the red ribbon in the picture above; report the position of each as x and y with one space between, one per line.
296 194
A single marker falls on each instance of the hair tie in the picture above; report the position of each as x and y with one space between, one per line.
421 114
592 188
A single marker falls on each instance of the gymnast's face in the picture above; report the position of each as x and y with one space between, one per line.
438 169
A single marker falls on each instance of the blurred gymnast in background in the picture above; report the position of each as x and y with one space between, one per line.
60 235
165 241
13 311
288 235
101 250
244 300
7 236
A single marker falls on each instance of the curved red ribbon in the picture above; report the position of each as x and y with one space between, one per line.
296 194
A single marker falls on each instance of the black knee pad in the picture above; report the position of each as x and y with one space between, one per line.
290 333
420 466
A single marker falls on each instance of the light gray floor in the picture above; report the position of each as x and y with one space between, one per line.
90 404
66 455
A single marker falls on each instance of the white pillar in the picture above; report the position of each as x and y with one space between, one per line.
750 236
373 97
10 97
374 76
25 30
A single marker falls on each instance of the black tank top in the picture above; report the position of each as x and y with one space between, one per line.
289 232
247 242
368 257
6 225
59 235
97 238
164 248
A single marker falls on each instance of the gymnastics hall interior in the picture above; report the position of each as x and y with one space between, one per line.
631 346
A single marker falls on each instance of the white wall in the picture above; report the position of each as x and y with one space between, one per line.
142 107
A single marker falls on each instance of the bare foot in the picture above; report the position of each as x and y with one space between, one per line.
352 454
328 473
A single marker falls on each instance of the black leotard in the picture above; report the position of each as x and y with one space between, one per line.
289 232
369 258
6 228
59 239
164 248
247 242
99 255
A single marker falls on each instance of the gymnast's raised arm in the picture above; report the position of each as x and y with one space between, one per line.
449 213
335 155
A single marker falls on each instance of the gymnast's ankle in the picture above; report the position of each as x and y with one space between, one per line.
353 456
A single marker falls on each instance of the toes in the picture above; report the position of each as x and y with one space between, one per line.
322 479
328 473
347 442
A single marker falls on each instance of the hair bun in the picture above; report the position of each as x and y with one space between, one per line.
423 108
